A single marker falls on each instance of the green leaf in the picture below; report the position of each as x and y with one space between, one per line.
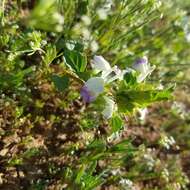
15 79
124 146
15 161
92 182
84 75
97 144
92 167
50 55
82 7
31 152
79 47
80 173
76 60
130 78
60 82
116 123
125 104
129 100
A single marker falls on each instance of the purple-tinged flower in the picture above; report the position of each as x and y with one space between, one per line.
92 89
143 67
87 95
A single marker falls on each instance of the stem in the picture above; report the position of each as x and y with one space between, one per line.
19 3
145 177
73 76
3 9
170 81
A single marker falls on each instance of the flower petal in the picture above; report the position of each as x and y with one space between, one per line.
86 95
115 74
142 76
95 85
143 67
143 112
92 88
109 108
100 63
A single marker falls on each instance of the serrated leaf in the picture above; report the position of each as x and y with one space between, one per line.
50 55
116 123
76 60
130 78
129 100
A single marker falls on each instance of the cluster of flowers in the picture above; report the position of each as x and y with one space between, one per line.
167 142
181 109
94 86
127 184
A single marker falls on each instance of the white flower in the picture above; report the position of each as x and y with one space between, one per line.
116 171
109 108
109 74
180 109
143 112
102 13
70 45
95 86
86 20
157 4
108 4
114 136
126 184
86 33
149 160
57 16
92 89
100 63
143 67
166 141
188 37
94 46
160 87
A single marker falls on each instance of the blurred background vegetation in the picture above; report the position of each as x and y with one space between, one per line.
50 139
